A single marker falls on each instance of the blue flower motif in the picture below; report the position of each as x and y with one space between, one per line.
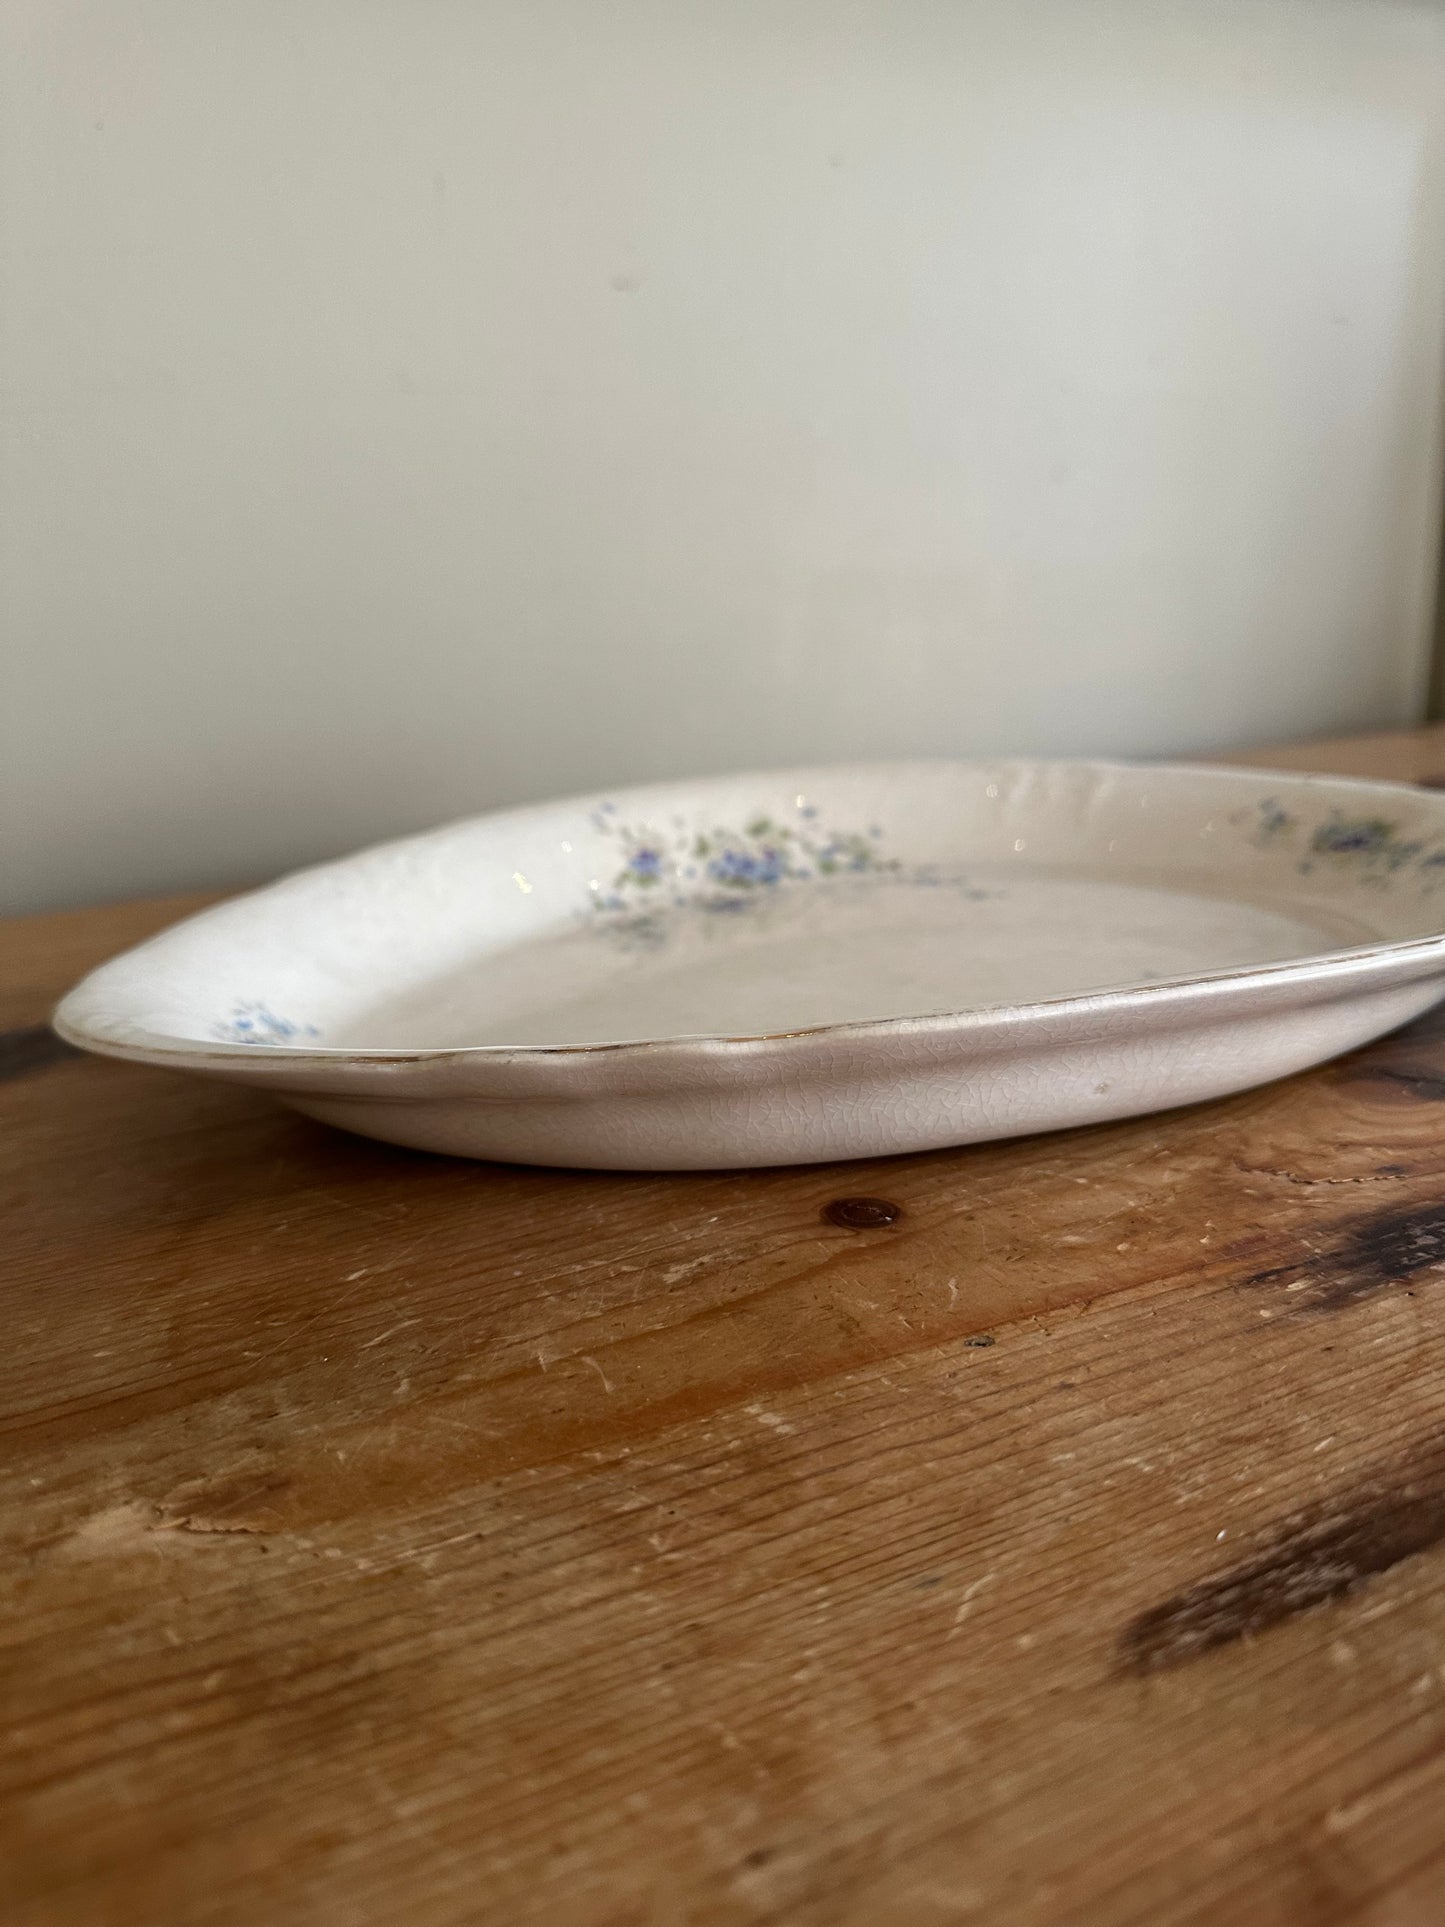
732 868
253 1023
645 864
728 866
743 869
1372 847
1370 836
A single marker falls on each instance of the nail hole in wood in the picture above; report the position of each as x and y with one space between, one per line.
862 1214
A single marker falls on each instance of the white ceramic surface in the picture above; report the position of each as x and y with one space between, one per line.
808 964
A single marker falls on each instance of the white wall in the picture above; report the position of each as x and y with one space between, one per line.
418 405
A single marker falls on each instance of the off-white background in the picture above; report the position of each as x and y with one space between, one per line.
416 405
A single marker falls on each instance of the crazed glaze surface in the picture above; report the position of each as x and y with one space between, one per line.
808 964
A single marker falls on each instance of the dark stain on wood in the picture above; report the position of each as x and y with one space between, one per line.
1427 1085
1359 1257
33 1049
862 1214
1316 1556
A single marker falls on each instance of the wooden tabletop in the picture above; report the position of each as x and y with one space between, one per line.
399 1540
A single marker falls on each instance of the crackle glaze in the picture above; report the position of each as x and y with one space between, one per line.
808 964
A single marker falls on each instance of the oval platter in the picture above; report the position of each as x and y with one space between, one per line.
807 964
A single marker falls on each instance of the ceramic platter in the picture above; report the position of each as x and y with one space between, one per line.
812 964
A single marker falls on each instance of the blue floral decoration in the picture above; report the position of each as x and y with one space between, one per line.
1372 846
721 868
728 870
253 1023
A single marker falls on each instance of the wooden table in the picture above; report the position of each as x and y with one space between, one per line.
396 1540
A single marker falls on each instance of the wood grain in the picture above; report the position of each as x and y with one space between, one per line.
395 1540
1398 755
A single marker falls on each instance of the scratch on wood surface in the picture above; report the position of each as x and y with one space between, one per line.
390 1332
203 1527
1385 1174
135 1526
1318 1555
234 1504
965 1603
127 1527
676 1273
419 1555
588 1359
